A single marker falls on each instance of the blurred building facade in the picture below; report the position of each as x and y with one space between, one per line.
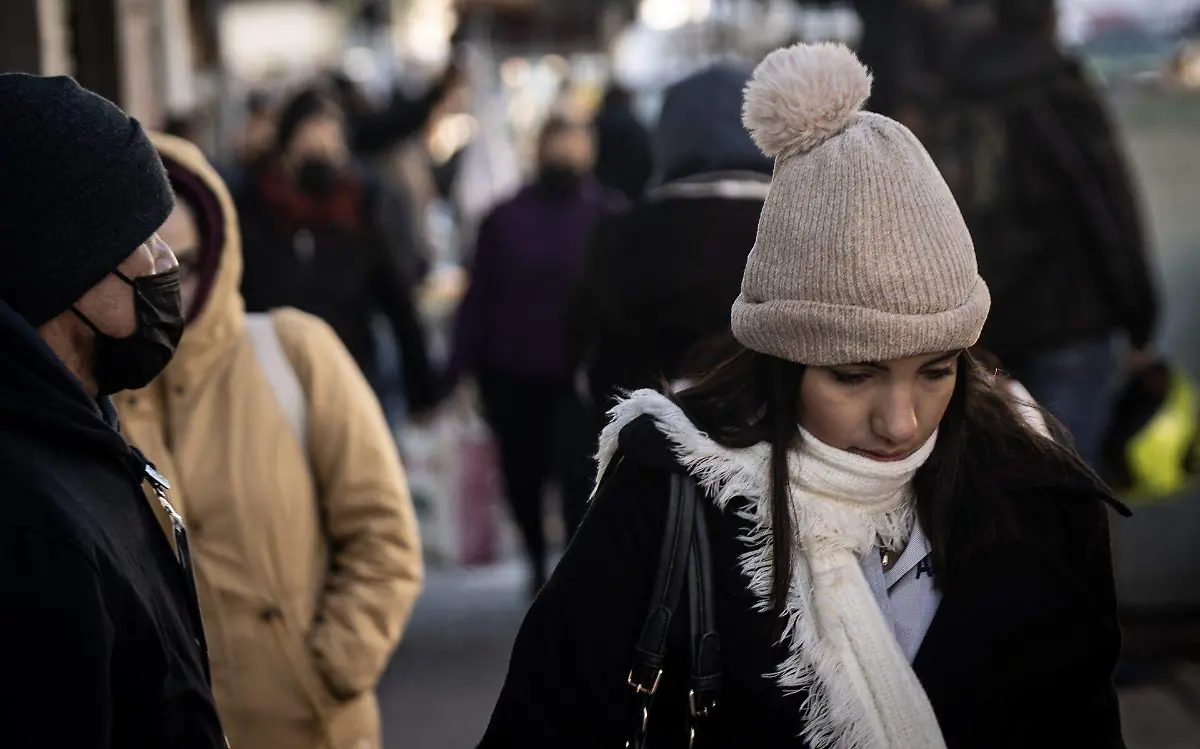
156 58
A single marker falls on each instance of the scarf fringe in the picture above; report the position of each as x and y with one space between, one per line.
833 715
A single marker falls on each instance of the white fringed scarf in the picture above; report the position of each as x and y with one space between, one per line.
862 692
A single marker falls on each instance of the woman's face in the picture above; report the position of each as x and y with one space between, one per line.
881 410
571 149
319 138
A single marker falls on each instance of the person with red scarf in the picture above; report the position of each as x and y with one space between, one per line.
317 236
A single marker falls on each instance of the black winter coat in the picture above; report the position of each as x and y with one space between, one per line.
101 644
1020 658
1067 260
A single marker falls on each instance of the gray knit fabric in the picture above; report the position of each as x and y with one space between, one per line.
862 254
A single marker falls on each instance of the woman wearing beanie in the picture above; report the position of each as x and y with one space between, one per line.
884 554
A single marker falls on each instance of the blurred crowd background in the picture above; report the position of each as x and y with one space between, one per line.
446 108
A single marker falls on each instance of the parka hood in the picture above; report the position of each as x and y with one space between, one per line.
700 127
220 314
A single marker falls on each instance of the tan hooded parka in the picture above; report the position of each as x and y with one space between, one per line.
307 565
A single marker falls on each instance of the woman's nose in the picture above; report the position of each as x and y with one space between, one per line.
895 416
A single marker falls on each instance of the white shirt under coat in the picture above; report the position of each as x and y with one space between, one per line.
905 593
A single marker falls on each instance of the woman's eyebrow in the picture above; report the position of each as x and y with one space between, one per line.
870 365
943 359
880 366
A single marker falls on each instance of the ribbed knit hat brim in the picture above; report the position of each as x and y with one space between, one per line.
825 335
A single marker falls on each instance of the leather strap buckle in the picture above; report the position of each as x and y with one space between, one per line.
639 688
701 708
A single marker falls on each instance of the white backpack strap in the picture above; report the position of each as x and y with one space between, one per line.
264 339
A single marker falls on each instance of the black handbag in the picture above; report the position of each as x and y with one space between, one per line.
685 559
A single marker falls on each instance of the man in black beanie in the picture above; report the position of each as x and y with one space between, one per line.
101 643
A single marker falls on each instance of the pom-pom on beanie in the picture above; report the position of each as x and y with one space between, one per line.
862 254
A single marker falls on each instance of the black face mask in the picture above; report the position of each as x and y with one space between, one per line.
132 362
559 180
317 178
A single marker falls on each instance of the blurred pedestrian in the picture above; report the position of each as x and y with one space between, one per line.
511 331
383 156
624 159
895 558
1033 158
659 279
103 645
306 548
258 133
316 237
372 129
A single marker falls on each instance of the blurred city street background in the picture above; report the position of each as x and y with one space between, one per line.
206 69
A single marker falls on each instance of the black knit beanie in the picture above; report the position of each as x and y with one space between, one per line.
80 188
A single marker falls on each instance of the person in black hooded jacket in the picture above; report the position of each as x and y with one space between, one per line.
623 153
660 277
1040 172
101 643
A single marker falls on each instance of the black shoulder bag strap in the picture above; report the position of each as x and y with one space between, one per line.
685 558
706 644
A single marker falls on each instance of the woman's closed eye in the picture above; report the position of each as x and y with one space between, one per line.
850 378
189 262
855 377
939 373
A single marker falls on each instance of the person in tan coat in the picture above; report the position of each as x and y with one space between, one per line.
304 537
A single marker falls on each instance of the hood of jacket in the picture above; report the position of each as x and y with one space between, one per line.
220 314
1000 62
38 394
700 127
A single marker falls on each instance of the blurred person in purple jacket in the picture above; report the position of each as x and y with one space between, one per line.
512 330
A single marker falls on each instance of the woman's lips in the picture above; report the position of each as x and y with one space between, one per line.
881 457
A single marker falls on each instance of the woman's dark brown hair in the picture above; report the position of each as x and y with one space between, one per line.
963 509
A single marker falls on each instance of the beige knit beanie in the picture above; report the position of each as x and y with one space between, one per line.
862 254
